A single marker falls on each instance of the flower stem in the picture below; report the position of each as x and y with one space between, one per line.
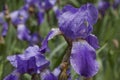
35 77
65 62
87 78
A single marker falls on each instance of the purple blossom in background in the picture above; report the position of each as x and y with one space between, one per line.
41 6
103 6
19 16
31 61
22 32
57 11
35 39
4 24
40 17
19 19
4 29
47 4
76 25
116 3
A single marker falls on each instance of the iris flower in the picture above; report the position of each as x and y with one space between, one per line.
31 62
18 18
76 25
103 6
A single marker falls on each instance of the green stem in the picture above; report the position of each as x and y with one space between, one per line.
65 62
87 78
35 77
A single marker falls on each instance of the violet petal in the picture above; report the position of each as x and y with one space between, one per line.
93 41
83 59
51 34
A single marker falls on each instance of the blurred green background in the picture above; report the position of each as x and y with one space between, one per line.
107 29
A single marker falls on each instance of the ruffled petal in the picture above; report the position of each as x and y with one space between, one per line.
91 12
31 51
78 23
12 60
64 21
69 8
93 41
54 32
83 59
26 66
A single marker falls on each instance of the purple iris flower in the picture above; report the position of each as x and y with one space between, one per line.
103 6
48 4
31 61
4 29
22 32
76 25
32 5
41 6
4 24
40 16
45 4
19 16
35 39
116 3
13 76
19 19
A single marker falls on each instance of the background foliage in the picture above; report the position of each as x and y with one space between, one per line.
107 30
